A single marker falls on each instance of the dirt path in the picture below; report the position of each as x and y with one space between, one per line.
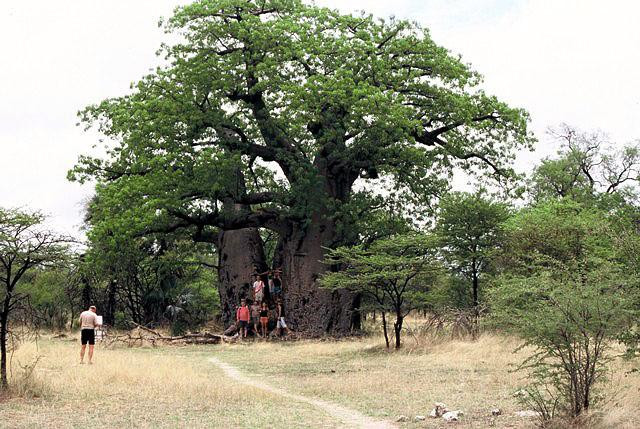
351 418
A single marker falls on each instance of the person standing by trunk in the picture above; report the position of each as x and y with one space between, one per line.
264 319
281 322
242 318
258 288
277 285
255 316
88 323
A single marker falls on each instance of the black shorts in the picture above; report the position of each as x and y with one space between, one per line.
88 336
243 324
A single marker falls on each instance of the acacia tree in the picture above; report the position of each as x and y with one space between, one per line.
266 115
395 273
470 230
24 245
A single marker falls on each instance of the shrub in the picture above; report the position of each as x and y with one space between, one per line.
563 290
121 320
25 383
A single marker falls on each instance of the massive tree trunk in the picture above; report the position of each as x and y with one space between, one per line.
309 308
240 255
300 253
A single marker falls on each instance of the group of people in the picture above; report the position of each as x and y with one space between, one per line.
257 314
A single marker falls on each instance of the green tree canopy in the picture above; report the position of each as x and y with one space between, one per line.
268 112
564 289
394 274
470 230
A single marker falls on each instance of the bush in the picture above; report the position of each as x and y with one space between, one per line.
564 292
25 383
121 320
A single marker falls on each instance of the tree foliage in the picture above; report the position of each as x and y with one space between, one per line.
588 168
564 290
268 112
394 273
470 230
24 245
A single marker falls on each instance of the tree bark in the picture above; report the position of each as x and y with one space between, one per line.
109 316
4 318
384 329
476 301
397 326
311 309
240 255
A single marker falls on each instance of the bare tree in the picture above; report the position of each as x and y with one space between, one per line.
587 165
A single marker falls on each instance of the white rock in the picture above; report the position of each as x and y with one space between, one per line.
439 410
420 418
402 419
452 416
527 413
520 393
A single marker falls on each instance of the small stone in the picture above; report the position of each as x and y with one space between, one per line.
439 410
520 393
527 413
401 419
496 412
452 416
420 418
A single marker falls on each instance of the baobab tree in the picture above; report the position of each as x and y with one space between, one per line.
270 114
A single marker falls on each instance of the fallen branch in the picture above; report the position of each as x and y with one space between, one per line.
141 335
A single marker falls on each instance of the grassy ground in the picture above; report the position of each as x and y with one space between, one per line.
159 388
472 376
178 386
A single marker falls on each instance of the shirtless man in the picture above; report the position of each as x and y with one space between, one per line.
88 322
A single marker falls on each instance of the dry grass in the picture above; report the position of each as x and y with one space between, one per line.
178 387
169 387
473 376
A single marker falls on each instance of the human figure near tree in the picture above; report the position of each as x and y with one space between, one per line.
258 288
264 319
242 318
277 284
88 323
282 324
255 315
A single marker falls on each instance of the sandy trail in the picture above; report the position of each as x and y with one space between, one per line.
349 417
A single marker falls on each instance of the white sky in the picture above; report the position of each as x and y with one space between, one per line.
573 61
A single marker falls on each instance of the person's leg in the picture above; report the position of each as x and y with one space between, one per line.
82 353
90 352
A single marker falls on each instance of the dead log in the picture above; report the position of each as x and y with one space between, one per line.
141 335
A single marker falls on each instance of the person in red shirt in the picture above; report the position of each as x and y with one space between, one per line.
242 318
